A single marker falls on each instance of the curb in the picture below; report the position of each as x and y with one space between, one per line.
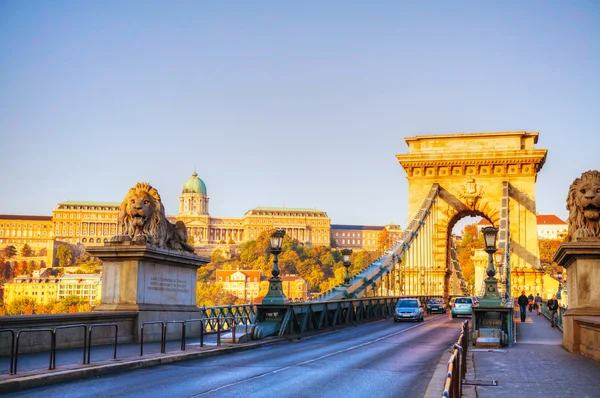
438 380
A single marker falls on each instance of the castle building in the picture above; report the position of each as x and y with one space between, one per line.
90 223
363 237
309 226
35 231
95 223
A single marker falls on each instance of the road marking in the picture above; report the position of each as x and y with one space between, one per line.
314 359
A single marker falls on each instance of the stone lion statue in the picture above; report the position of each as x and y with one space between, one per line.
142 221
583 204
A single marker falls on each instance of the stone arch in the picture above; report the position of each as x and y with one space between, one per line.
473 172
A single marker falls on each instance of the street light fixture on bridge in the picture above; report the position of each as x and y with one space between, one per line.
346 254
491 296
275 294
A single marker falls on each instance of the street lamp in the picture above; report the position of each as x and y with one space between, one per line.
490 234
275 294
491 296
346 254
559 277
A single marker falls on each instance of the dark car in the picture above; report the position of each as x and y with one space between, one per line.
409 309
436 305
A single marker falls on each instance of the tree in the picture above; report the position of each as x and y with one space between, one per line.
9 251
43 251
21 268
92 266
64 255
20 306
26 251
384 241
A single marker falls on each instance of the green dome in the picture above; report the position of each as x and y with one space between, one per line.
194 185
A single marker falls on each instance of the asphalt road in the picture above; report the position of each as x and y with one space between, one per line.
379 359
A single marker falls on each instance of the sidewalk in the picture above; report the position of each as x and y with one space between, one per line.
537 365
33 368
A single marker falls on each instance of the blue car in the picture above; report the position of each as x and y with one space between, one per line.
409 309
462 306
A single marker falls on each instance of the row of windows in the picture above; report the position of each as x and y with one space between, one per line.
367 242
90 208
23 233
21 241
262 213
86 216
24 226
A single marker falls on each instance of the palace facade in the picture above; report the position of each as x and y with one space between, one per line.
95 223
309 226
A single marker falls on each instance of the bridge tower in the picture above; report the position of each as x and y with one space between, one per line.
491 175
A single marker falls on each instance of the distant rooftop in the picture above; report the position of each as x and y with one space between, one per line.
88 203
548 219
24 217
289 209
357 227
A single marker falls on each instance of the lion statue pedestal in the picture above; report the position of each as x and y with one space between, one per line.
149 267
580 256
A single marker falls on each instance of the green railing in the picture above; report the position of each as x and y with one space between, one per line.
560 312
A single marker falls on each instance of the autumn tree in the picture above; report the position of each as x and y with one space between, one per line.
64 255
91 266
385 240
26 251
20 306
9 251
470 241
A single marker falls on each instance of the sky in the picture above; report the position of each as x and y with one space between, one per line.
296 104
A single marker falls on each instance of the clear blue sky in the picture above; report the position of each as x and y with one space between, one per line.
298 103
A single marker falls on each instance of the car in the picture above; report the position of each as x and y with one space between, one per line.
409 309
436 305
462 306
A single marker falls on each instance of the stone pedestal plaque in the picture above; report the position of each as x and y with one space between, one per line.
147 278
159 283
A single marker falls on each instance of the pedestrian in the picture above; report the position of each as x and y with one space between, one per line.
538 303
523 301
530 302
553 308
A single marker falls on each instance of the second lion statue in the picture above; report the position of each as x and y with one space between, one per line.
583 204
142 220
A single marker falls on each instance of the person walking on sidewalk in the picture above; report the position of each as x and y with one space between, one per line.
538 303
553 307
523 301
530 302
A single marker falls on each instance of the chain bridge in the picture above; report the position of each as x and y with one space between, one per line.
450 177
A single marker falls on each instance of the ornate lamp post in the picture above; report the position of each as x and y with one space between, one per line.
346 254
491 296
498 257
275 294
559 277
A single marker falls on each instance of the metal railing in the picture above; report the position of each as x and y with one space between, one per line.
111 325
12 348
68 327
457 365
213 320
314 316
559 314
